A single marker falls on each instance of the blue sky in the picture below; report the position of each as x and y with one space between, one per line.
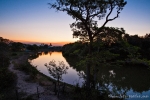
32 20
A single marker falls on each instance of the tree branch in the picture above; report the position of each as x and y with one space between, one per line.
92 16
111 9
107 20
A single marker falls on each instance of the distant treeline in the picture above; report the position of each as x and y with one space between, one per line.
6 44
8 50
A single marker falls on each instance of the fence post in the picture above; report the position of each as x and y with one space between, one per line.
37 92
63 88
55 88
58 90
17 94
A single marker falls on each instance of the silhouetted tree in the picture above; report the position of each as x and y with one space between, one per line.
33 47
17 46
56 71
50 44
87 13
7 78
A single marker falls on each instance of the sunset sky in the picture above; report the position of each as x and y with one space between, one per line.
33 21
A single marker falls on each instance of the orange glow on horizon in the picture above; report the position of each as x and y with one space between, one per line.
35 42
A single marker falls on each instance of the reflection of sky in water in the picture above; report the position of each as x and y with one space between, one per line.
140 96
128 95
113 75
72 75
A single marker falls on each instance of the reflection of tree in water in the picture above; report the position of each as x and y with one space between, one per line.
56 71
121 80
82 77
73 62
50 53
46 52
37 54
34 55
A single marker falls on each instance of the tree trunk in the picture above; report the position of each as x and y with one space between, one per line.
89 64
58 87
88 75
95 76
55 88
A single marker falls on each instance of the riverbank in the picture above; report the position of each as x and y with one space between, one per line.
29 78
27 85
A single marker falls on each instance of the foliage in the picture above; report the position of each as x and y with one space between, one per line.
33 47
44 46
81 93
17 46
105 45
104 52
7 78
86 13
56 71
119 54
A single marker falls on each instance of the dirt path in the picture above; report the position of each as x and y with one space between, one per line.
30 88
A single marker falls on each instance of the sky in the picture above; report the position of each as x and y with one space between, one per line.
34 21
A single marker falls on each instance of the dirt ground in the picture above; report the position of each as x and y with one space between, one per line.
30 88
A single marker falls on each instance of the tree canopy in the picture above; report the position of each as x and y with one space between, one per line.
87 13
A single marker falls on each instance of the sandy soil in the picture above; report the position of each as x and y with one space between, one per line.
30 88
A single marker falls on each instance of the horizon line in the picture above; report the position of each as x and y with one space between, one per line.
59 43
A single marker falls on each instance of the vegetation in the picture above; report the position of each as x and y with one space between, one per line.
97 46
123 50
116 51
26 67
11 50
7 78
56 71
86 13
100 45
121 56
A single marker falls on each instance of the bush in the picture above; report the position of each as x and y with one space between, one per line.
28 68
7 78
14 54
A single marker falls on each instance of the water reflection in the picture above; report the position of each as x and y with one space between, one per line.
117 81
125 80
39 60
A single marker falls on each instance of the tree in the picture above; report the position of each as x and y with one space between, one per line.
33 47
86 14
17 46
50 44
57 71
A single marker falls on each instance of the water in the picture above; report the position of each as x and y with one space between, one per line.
71 77
120 82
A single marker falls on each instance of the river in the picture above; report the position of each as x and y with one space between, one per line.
121 82
72 75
